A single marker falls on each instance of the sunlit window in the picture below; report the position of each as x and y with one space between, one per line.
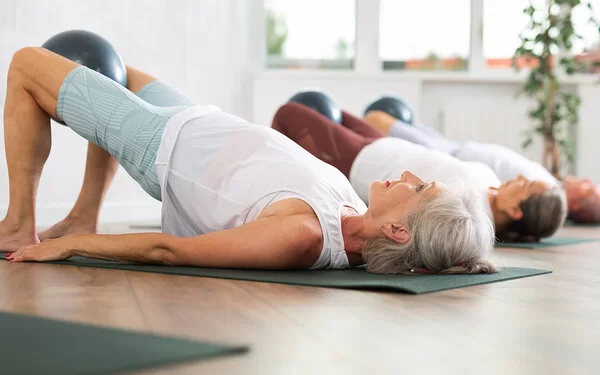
424 34
310 33
503 21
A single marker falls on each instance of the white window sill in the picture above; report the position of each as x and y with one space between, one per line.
500 76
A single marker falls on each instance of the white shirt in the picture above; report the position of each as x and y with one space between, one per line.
506 163
387 158
217 171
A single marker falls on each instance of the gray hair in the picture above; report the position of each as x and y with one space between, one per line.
450 233
543 214
588 212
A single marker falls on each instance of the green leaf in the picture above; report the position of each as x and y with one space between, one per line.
540 41
527 142
530 10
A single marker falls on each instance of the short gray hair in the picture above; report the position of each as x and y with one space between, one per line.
588 212
543 214
450 233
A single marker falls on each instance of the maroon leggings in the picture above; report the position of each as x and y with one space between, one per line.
333 143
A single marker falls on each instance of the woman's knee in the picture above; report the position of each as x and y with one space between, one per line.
18 63
41 73
21 70
280 119
26 59
293 115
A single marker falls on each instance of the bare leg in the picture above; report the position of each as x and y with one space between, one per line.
34 79
100 170
328 141
380 121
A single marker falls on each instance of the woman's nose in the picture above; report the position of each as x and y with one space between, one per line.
408 176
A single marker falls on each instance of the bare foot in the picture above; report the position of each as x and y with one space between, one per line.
68 226
12 237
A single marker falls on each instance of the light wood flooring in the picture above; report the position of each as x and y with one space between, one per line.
546 324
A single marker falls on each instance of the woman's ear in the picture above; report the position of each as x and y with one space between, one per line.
514 211
396 232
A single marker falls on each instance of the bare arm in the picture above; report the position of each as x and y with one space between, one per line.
270 243
380 121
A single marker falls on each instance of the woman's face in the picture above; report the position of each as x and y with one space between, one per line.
513 192
520 189
389 201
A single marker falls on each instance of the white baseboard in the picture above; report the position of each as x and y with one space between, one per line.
112 212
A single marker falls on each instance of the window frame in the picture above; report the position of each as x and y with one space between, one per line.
367 61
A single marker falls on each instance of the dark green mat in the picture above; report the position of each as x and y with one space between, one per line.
570 223
355 278
32 345
547 242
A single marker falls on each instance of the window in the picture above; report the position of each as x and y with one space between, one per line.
412 35
503 21
587 50
310 33
424 34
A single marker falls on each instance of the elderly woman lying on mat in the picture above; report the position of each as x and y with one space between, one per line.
582 196
522 210
233 194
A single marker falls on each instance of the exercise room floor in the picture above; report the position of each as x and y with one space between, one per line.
540 325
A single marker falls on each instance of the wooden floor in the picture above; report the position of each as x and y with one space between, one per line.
541 325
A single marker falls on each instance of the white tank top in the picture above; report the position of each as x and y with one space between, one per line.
387 158
506 163
217 171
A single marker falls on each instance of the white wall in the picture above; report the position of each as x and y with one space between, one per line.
481 108
207 49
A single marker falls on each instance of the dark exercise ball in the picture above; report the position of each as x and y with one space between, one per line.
394 106
91 50
320 102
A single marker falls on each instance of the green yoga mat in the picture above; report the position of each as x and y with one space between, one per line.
32 345
355 278
547 242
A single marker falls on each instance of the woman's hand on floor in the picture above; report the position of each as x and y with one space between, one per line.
46 251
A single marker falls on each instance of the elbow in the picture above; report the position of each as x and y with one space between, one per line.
168 258
159 255
165 253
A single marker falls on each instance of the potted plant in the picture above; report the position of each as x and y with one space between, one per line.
546 50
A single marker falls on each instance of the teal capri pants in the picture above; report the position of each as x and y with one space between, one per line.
128 126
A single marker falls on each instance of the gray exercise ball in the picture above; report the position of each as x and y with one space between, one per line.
393 105
91 50
319 101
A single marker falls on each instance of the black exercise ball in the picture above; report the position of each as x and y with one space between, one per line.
393 105
91 50
320 102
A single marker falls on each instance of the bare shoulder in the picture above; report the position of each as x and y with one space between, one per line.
287 207
297 222
311 228
308 236
302 229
